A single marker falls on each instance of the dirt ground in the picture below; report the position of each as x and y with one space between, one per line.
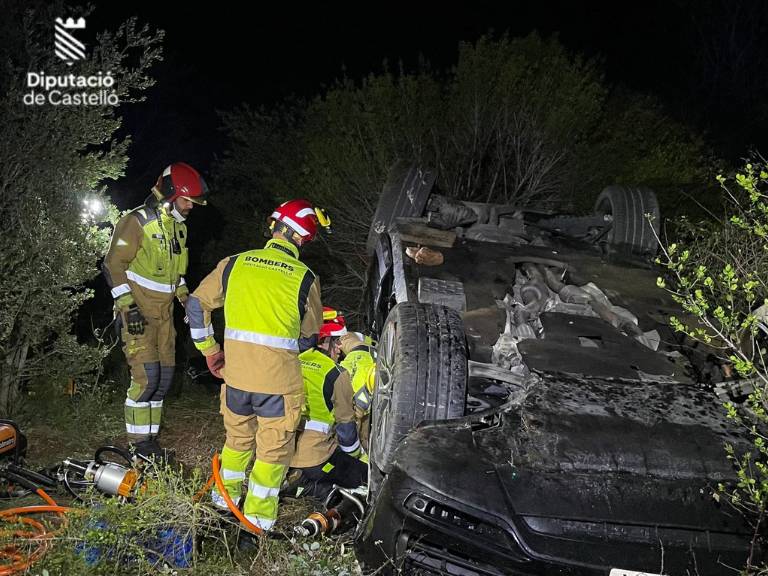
57 428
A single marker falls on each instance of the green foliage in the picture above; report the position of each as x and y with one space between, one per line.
249 181
121 537
56 158
517 120
635 142
54 420
718 275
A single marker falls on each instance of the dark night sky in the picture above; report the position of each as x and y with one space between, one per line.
223 55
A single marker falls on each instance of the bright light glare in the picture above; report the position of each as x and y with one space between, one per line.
93 208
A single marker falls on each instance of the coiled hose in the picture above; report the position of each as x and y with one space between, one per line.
12 559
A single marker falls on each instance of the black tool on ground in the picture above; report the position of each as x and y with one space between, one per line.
15 480
343 509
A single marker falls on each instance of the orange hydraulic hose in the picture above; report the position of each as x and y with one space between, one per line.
44 495
16 534
22 562
230 504
203 490
34 510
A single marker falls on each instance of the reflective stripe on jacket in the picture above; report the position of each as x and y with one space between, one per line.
141 254
329 419
273 316
270 300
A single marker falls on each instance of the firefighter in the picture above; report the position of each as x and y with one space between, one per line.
364 385
328 448
271 300
359 355
145 267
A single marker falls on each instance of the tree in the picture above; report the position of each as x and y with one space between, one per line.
252 174
516 121
718 273
636 142
55 162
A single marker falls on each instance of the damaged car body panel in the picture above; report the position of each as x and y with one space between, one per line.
575 438
557 497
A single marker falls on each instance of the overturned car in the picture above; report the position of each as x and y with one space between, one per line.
533 414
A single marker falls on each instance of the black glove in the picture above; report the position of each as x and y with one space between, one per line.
134 320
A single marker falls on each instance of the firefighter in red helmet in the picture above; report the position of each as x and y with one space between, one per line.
145 267
271 301
328 450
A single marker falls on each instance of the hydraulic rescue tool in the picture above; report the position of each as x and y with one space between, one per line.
32 527
343 507
112 478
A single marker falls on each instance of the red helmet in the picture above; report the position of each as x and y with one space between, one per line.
180 179
334 324
301 217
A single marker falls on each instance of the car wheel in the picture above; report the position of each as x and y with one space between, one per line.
421 375
628 208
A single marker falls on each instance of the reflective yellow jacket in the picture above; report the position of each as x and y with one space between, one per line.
329 418
270 300
147 260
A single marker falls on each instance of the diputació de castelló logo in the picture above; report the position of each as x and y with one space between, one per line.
70 89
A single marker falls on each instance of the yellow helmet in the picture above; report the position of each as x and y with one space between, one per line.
370 379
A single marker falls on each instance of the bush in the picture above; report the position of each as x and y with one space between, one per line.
55 159
718 273
104 536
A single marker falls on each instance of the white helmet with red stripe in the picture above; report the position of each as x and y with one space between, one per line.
302 218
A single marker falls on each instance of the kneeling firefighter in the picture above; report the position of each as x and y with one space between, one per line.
328 449
271 300
358 358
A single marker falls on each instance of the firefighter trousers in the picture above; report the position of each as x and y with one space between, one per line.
266 423
151 358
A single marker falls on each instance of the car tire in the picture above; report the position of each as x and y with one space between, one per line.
628 206
421 376
405 194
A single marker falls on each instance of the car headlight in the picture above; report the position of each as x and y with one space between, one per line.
460 522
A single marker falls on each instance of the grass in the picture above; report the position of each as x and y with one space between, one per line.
124 538
58 425
122 534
